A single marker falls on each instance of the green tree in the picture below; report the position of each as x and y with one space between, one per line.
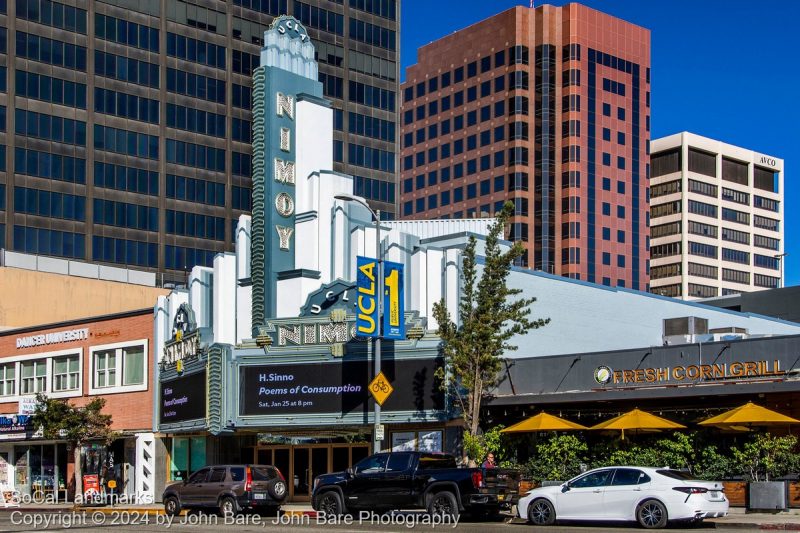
558 458
78 425
766 456
490 314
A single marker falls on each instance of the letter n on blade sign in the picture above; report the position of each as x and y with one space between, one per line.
367 320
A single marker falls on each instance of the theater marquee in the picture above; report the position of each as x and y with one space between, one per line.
605 375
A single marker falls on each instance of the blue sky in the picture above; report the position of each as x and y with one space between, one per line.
726 69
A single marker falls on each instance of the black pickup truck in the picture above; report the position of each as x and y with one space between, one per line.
409 480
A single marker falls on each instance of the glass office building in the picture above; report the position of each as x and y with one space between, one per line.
126 125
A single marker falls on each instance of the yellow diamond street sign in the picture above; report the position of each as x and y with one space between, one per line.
380 388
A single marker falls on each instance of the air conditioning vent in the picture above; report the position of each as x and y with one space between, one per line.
688 325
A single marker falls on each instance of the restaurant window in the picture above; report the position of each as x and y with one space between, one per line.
34 377
66 373
120 367
8 381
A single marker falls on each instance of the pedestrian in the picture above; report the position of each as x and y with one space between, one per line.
489 462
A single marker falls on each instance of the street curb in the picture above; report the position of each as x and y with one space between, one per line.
789 526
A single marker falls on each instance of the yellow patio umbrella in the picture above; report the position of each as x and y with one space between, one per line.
542 422
637 420
747 415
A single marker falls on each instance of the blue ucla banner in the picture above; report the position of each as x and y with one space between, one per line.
367 320
393 301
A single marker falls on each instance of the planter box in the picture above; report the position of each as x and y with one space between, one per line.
736 491
767 496
794 494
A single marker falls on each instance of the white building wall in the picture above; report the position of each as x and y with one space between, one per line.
224 298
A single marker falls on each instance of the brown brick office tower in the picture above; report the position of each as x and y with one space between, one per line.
546 107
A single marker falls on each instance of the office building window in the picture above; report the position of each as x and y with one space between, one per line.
764 261
125 142
736 256
665 271
195 85
665 230
698 228
742 237
127 33
49 204
735 196
702 162
52 14
50 51
8 381
66 371
702 291
33 376
195 155
126 69
51 128
703 250
701 208
765 223
48 89
766 203
49 242
665 250
666 162
48 165
765 179
703 271
701 187
733 215
126 105
196 51
734 171
770 282
766 242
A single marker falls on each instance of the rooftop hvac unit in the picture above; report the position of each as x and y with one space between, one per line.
687 325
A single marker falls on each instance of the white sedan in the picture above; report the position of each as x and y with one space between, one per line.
650 496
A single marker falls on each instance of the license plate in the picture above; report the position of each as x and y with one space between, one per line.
714 494
259 496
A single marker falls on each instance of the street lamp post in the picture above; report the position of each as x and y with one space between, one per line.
379 256
781 257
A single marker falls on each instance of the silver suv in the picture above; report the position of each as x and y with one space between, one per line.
230 489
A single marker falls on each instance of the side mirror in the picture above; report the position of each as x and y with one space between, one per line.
350 472
565 487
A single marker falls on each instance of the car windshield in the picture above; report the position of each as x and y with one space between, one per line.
677 474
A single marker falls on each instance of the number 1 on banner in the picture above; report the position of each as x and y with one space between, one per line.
392 290
393 301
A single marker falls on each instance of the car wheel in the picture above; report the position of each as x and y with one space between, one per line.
541 512
330 503
651 514
277 489
227 506
443 504
172 506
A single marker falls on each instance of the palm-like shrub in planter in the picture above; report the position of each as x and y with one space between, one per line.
763 459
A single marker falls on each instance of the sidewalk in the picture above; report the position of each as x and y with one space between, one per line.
737 518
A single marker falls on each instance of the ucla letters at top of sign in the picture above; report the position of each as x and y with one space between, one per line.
367 320
393 301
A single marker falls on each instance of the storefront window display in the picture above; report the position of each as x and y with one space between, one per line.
188 454
41 470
